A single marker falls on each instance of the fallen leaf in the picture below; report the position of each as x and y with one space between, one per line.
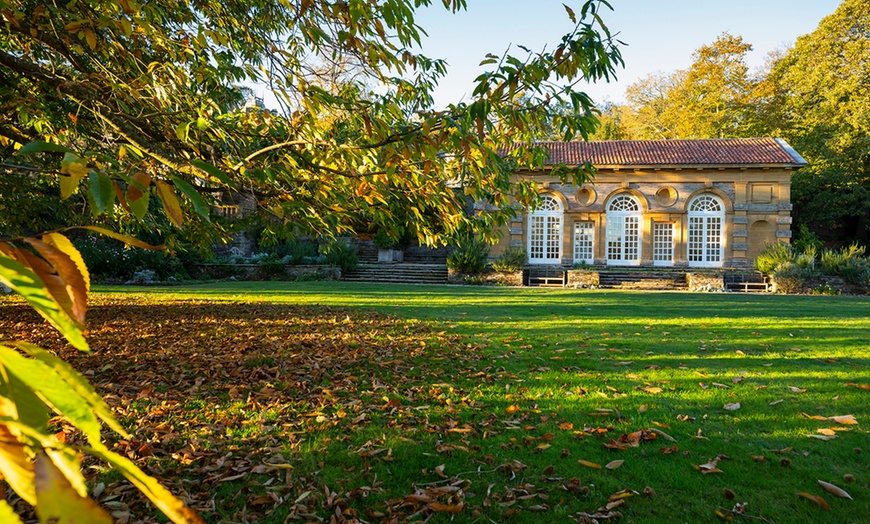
619 495
844 419
818 500
624 363
732 407
859 386
670 450
589 464
834 490
613 464
446 508
782 451
823 437
797 390
775 402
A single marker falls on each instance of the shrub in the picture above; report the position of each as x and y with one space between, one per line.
109 259
848 263
773 256
512 260
790 278
806 241
469 255
299 250
341 255
272 268
583 266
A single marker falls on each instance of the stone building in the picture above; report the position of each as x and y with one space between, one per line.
684 203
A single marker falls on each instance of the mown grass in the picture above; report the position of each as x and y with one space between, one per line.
509 388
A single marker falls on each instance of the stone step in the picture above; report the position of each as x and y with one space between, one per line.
398 273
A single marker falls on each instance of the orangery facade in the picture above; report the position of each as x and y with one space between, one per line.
712 203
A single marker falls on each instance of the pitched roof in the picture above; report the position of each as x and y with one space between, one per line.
738 152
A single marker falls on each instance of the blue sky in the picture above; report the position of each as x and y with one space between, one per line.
661 34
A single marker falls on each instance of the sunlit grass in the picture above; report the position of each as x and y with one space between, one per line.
541 378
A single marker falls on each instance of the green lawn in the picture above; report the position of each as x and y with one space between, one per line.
306 400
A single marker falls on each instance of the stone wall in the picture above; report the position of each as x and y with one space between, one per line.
581 278
258 272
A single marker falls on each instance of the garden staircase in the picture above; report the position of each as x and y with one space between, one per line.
400 273
657 280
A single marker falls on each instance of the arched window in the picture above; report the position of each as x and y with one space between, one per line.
545 232
706 231
623 231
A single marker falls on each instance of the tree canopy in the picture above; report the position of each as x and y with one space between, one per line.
129 99
108 107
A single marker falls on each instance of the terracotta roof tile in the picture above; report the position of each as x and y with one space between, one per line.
726 151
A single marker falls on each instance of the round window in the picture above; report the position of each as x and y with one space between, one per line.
585 196
666 196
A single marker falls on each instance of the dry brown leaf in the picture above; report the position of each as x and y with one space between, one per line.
834 490
775 402
446 508
669 451
732 407
823 437
797 389
818 500
613 464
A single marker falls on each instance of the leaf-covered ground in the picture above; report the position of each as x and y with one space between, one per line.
268 404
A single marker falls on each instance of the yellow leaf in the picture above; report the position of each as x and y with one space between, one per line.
70 276
56 500
844 419
15 467
589 464
90 38
170 203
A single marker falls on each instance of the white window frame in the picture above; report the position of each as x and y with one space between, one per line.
663 243
705 246
545 232
623 240
584 241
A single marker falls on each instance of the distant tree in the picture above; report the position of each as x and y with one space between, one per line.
713 98
819 99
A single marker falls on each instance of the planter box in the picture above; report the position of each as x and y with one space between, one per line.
583 278
488 277
390 255
705 281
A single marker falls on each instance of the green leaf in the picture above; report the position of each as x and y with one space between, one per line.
77 382
48 385
212 170
7 514
193 195
102 190
57 501
41 147
28 408
160 496
182 130
26 283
